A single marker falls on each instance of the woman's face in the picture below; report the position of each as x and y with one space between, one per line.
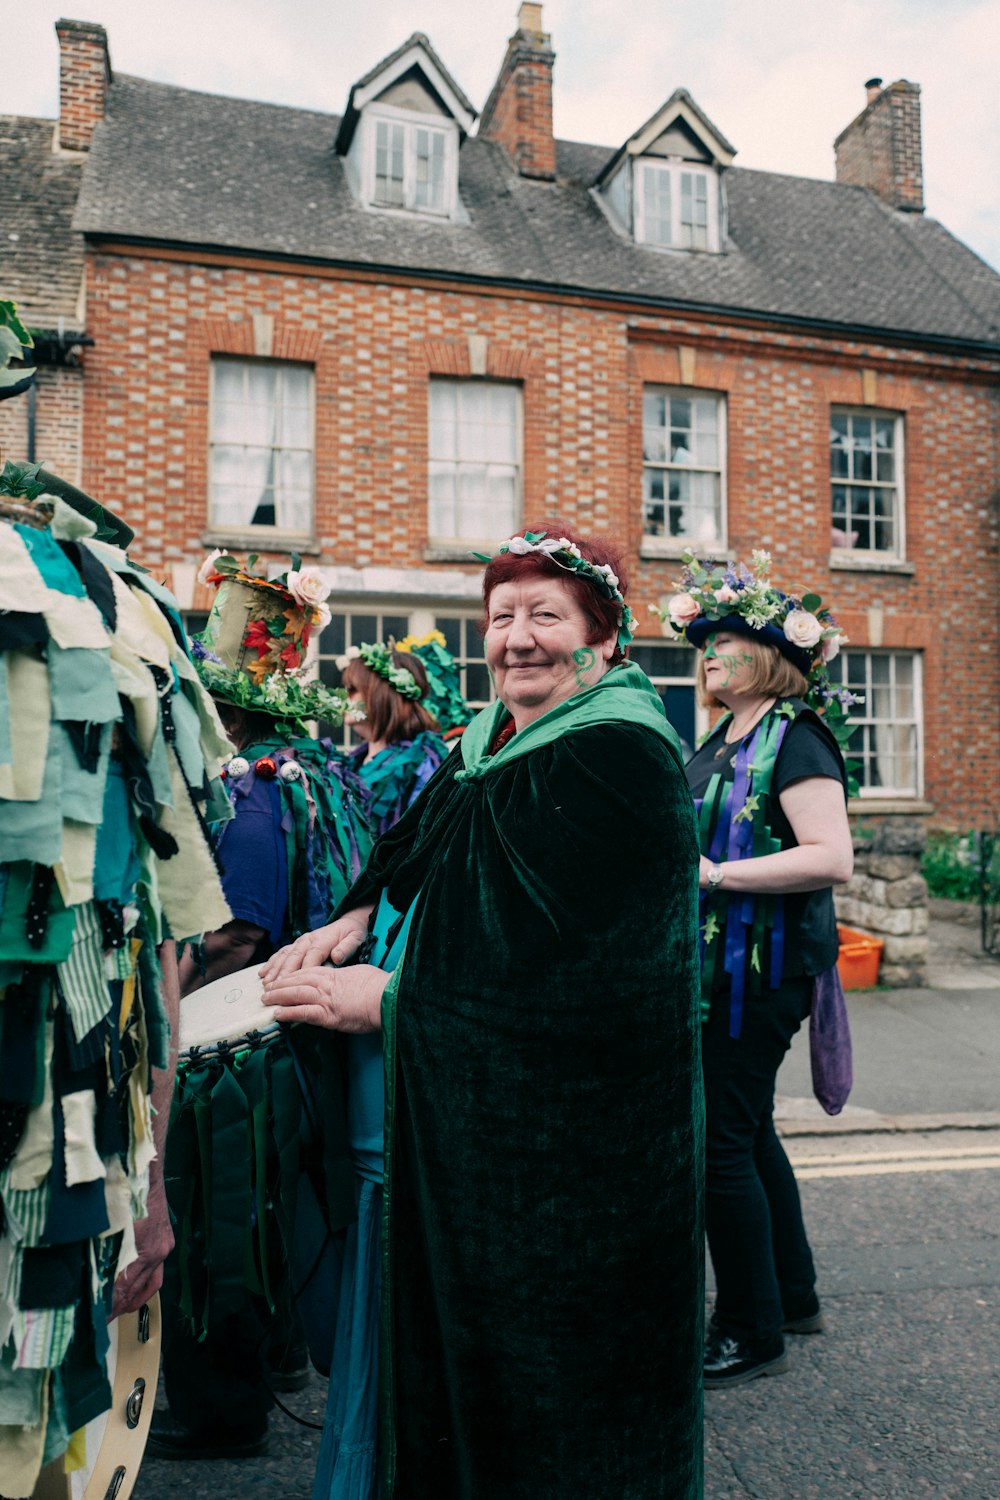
537 648
727 664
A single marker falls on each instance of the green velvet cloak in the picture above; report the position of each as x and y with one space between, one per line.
544 1253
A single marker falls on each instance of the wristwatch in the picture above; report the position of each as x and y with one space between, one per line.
714 877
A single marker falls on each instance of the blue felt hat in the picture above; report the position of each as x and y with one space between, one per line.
699 631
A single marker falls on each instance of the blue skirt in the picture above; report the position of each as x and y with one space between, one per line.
347 1467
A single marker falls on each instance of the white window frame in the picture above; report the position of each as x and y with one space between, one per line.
217 524
674 171
666 542
850 482
864 719
461 384
410 122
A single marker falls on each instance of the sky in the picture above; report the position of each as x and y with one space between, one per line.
779 78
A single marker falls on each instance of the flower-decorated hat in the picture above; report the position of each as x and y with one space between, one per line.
741 599
253 648
731 596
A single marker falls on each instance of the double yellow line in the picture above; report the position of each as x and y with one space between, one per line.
886 1163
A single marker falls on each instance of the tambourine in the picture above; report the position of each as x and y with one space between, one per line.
116 1440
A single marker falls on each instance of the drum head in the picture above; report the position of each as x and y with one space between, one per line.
224 1010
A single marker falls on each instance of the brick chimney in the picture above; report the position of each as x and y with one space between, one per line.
84 75
881 148
518 112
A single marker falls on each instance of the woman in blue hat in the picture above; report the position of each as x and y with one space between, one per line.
771 791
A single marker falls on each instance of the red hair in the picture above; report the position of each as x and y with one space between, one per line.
602 613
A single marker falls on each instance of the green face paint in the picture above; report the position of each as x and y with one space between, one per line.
730 661
584 657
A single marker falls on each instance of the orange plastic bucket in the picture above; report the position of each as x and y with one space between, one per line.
859 958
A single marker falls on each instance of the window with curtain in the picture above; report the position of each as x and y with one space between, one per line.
886 737
261 460
683 466
474 453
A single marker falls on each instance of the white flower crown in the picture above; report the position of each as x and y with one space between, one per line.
566 554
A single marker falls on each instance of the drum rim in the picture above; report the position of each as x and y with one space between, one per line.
229 1047
141 1362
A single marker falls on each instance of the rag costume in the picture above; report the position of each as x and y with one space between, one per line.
394 776
109 766
296 841
542 1303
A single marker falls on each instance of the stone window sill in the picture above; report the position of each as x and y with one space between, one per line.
264 540
673 550
455 552
869 562
901 807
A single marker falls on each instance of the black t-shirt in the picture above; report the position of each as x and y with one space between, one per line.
808 749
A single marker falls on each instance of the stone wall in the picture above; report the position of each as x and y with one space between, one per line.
887 896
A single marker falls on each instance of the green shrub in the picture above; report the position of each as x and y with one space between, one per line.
952 866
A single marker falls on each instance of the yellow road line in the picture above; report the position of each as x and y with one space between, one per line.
889 1168
925 1154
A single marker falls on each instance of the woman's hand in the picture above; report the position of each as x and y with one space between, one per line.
338 999
333 944
704 865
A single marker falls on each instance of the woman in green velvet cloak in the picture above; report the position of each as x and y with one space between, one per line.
543 1299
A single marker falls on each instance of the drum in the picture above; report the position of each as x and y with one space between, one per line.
234 1152
115 1441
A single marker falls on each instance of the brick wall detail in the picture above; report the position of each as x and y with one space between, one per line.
374 347
518 113
84 75
58 423
881 149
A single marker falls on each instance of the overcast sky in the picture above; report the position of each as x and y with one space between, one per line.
779 78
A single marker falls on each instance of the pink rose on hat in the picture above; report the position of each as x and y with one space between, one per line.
307 587
682 609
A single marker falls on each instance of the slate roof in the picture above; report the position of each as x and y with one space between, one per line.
41 257
168 164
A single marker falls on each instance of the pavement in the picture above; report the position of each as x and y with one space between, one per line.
900 1397
924 1059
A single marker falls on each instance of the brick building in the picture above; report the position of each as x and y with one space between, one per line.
388 336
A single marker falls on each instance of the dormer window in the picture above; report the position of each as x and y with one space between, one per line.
676 204
412 166
664 186
400 134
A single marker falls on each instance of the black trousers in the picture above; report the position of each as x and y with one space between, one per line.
763 1265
